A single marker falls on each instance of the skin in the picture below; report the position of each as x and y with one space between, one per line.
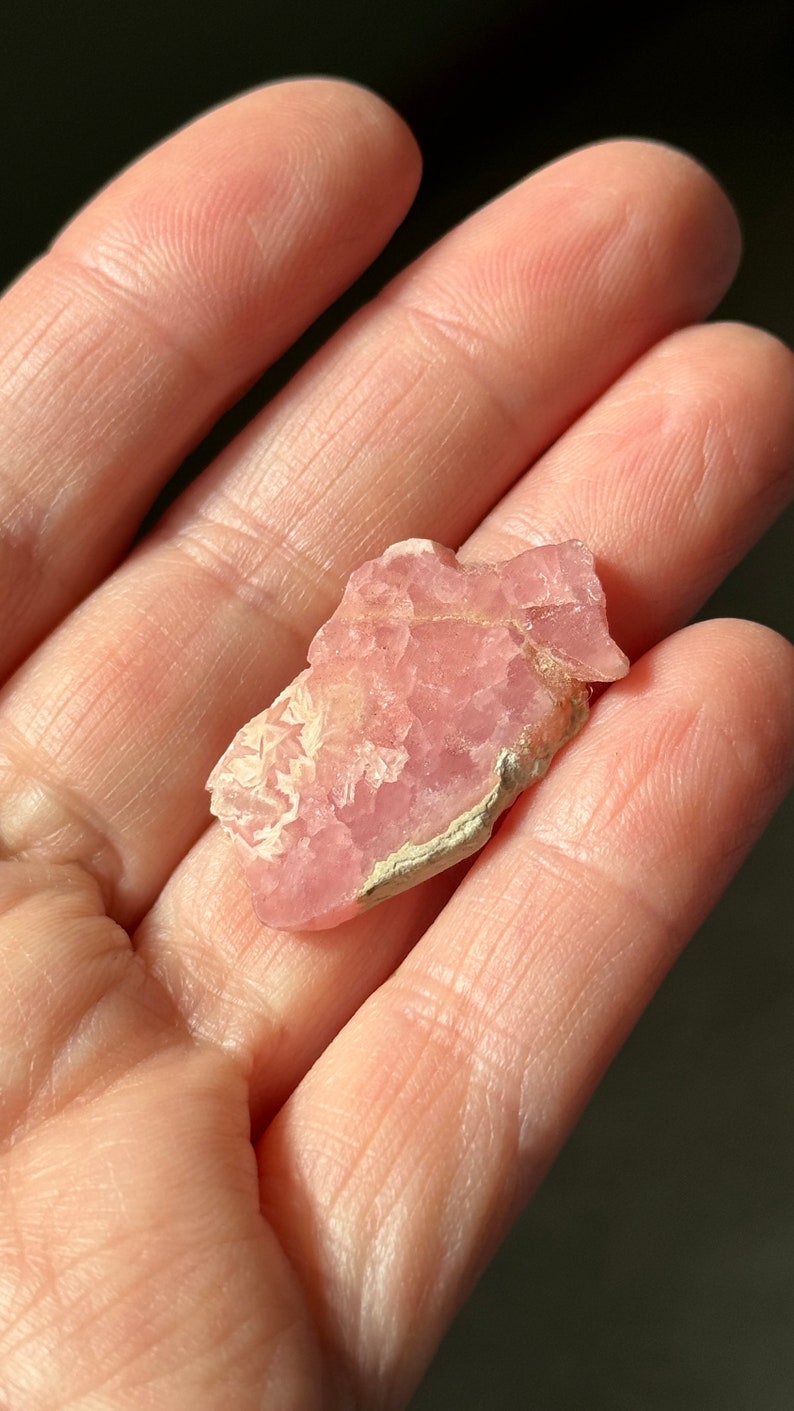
252 1169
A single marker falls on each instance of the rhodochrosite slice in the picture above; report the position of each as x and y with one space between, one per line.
435 693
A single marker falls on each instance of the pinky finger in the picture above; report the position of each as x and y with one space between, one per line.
404 1154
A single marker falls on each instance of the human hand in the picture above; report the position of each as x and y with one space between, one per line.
244 1168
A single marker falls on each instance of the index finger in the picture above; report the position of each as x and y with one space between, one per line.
159 304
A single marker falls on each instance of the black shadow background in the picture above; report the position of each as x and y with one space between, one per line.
654 1270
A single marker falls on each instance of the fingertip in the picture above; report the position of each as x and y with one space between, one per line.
352 115
374 112
709 209
743 644
738 677
763 658
700 226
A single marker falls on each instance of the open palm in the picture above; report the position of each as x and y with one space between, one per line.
248 1169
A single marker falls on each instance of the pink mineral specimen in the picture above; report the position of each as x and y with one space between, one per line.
435 693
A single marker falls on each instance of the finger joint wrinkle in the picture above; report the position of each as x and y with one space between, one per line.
446 334
44 820
102 286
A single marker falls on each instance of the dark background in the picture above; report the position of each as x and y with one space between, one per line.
655 1270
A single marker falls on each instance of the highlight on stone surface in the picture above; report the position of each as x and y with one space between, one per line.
435 693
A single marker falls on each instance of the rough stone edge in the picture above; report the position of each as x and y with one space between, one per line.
466 834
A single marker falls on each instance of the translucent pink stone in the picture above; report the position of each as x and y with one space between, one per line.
434 694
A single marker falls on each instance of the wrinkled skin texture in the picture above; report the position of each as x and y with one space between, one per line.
251 1169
